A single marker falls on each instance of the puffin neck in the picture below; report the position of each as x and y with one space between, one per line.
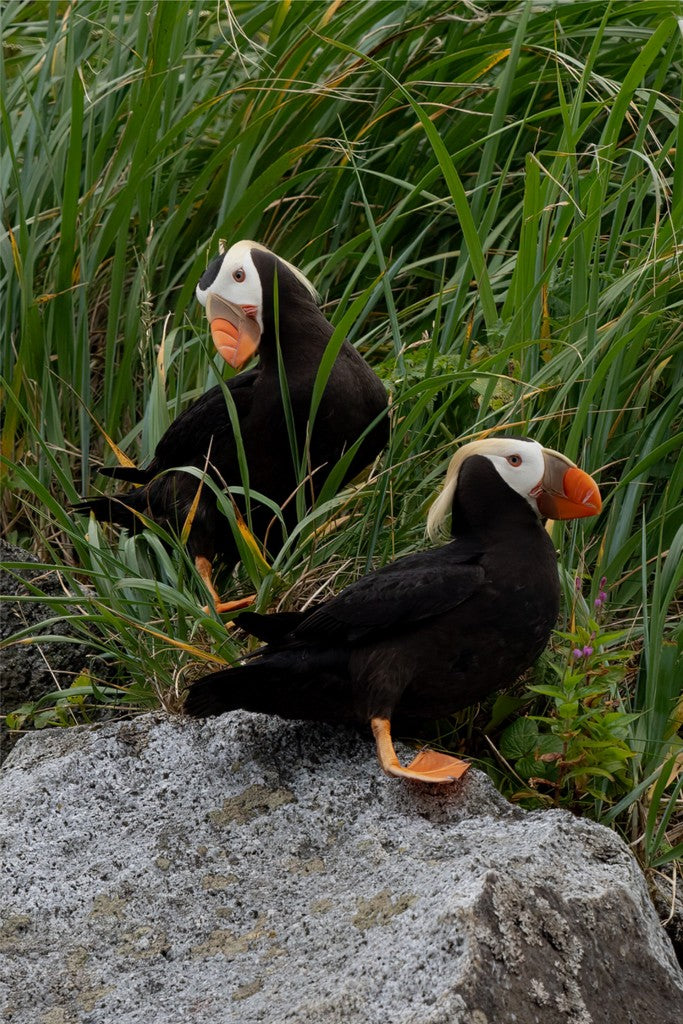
302 330
303 334
483 503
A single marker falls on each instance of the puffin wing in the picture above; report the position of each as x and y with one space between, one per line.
190 434
415 588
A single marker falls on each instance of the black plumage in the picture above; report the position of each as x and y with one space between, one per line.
353 406
425 635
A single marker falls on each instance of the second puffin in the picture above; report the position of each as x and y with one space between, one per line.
432 632
256 302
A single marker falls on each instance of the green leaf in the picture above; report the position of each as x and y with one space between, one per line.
568 709
503 706
547 743
519 739
557 692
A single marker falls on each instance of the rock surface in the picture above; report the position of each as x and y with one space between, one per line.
163 871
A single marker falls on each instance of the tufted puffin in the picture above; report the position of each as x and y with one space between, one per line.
434 631
242 299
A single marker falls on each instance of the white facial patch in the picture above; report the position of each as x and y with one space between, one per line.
238 281
521 465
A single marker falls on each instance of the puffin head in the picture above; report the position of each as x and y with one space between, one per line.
237 290
550 482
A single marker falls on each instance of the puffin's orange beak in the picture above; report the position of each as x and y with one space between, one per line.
235 335
566 492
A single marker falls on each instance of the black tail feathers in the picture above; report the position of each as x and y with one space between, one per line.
258 685
272 629
108 510
213 694
280 682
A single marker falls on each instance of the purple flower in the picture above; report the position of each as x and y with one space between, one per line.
577 583
598 602
603 582
603 595
577 653
587 651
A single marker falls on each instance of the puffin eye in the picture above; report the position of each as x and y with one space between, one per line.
239 275
514 460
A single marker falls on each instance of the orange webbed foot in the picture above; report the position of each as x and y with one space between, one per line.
428 766
233 606
203 566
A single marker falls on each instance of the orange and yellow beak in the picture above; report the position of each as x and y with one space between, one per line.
566 492
235 335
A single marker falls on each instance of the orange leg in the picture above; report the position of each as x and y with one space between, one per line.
428 766
203 567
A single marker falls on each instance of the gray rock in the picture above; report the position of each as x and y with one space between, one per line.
247 869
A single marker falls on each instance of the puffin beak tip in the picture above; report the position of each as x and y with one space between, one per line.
575 496
582 493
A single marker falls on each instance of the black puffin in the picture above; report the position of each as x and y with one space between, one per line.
241 298
432 632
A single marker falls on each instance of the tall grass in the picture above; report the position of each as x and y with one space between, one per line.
486 197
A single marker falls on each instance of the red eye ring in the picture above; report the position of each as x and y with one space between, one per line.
239 275
514 460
